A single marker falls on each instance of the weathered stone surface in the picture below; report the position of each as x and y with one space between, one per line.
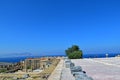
66 74
76 69
100 69
83 78
26 76
72 65
56 74
75 74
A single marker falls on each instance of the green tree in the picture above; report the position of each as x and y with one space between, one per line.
74 52
75 48
68 51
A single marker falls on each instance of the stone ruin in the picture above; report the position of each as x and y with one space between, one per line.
77 71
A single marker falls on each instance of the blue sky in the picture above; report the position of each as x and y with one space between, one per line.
50 26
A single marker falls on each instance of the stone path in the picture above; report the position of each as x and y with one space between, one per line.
56 74
100 69
66 74
61 73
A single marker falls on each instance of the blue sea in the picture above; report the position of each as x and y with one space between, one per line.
18 59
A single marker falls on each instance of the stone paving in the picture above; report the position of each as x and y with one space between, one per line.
100 69
56 74
61 73
66 74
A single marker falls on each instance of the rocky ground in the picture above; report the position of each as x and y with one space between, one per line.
32 75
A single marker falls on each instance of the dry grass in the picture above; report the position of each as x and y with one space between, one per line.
33 76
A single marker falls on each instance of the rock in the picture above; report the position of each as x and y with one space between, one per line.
79 74
26 76
72 65
15 78
67 63
82 77
76 69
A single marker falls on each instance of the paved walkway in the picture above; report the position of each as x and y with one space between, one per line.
56 74
66 74
100 69
61 73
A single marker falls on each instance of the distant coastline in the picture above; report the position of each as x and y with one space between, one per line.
18 59
100 55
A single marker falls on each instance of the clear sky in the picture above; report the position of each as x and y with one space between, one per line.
50 26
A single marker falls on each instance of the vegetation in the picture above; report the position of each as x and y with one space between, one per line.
28 67
2 70
74 52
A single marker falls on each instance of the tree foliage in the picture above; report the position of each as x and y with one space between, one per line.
74 52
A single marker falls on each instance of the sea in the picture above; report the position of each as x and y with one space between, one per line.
18 59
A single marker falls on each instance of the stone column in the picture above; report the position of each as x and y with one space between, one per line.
25 65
